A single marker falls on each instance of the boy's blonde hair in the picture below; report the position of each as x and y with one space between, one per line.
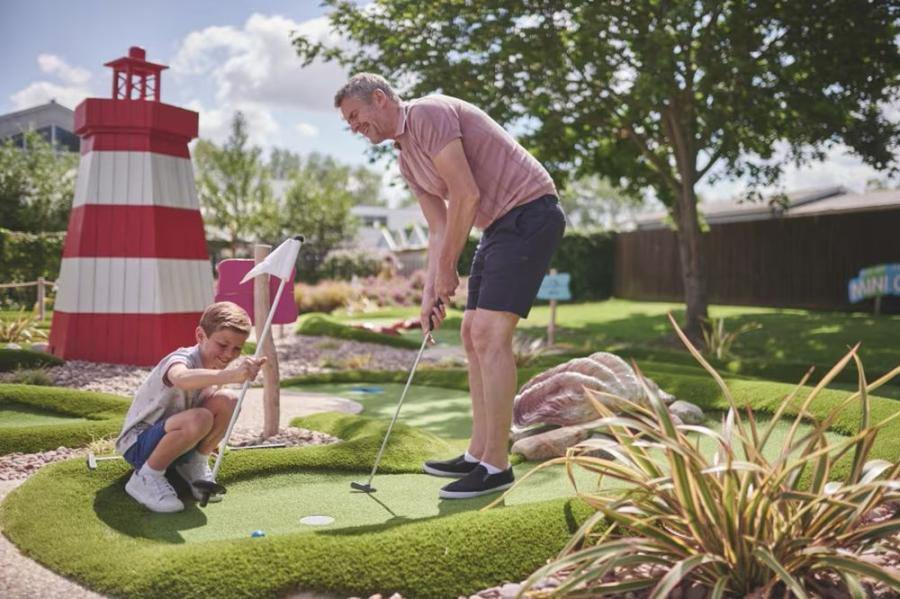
225 315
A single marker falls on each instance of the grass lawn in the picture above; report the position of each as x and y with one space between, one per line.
789 342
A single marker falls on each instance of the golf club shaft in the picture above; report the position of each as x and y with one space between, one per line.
256 354
397 411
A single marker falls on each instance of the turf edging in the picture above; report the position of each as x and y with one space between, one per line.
104 412
55 517
13 359
318 325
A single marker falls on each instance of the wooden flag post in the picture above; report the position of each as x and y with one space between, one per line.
261 305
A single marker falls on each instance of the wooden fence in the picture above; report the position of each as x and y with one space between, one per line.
801 262
42 285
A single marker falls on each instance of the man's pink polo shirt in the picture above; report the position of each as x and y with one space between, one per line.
506 174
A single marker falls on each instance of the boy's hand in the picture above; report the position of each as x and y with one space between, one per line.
247 369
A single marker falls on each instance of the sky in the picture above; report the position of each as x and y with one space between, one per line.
228 56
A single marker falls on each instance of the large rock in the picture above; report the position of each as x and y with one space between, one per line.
687 412
558 395
552 443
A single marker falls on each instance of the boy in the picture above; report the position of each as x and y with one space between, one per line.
179 414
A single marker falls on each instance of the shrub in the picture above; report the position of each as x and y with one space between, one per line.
344 265
30 376
12 359
325 296
589 256
739 523
27 256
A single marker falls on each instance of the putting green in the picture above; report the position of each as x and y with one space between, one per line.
275 504
20 416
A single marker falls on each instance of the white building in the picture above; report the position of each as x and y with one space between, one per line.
53 121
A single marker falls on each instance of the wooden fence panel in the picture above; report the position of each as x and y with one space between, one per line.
801 262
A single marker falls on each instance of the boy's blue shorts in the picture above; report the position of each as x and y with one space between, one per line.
146 442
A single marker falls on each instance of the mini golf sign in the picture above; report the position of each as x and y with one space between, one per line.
554 287
876 281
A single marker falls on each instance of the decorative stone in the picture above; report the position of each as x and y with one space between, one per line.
687 412
552 443
561 395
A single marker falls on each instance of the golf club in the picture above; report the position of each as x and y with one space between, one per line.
368 488
208 488
92 460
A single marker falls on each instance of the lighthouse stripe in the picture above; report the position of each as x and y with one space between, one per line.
134 142
135 232
140 339
135 178
133 285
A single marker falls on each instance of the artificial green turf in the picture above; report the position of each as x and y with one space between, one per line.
321 326
81 523
19 416
13 359
71 418
442 412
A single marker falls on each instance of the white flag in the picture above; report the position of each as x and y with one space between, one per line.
279 263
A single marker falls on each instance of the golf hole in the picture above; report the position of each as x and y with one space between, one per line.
317 520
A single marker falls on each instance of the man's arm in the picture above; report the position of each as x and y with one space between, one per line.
453 168
435 212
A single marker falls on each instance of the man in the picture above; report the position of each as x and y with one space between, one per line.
465 170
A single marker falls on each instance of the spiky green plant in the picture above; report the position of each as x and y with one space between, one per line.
718 341
20 329
735 522
526 349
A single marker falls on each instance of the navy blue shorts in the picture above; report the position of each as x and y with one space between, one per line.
146 442
513 256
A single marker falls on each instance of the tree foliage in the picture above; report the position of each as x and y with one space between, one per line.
594 202
317 205
233 188
37 185
658 93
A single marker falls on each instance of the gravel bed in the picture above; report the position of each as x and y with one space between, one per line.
297 355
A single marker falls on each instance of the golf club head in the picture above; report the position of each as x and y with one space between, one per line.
208 488
362 487
91 461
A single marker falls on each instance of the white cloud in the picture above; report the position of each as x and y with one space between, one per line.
72 87
307 130
215 123
257 63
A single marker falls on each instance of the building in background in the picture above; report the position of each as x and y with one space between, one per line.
53 121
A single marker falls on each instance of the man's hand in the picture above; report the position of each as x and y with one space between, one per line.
432 313
445 283
246 370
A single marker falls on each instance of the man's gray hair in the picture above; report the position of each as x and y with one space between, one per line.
362 85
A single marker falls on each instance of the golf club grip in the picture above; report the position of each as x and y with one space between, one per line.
437 304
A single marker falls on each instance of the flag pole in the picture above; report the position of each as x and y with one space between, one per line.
237 407
259 349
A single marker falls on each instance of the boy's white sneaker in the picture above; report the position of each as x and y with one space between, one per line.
153 492
194 469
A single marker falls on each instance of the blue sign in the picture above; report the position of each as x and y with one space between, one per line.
876 281
555 287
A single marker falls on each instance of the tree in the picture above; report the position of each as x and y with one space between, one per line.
593 201
37 185
317 205
363 183
233 188
655 94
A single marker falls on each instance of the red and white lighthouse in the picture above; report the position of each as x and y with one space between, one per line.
135 274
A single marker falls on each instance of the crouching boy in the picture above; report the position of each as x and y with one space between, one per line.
179 414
